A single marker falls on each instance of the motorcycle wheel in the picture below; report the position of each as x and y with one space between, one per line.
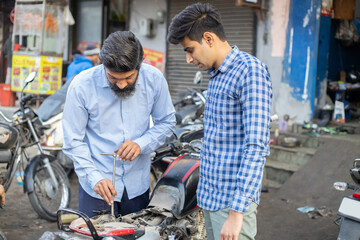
45 199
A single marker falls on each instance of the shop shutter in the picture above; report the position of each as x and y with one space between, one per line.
239 28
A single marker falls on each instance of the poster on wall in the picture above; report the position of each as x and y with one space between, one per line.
48 78
154 58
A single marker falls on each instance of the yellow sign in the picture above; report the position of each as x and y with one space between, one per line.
48 79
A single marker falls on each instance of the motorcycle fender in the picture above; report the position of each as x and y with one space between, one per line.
349 229
30 171
350 208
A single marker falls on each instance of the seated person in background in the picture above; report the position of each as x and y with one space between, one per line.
81 63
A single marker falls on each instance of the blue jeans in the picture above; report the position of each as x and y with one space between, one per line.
93 206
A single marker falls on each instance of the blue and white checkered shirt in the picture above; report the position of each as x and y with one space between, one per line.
236 133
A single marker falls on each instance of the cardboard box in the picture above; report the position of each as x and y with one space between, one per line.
344 9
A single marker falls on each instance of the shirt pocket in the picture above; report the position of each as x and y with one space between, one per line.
225 110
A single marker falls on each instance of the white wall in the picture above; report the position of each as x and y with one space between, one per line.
147 9
271 43
269 47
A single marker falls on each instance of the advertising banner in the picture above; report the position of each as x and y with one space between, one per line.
154 58
48 78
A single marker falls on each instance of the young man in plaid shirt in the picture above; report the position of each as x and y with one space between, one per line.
236 123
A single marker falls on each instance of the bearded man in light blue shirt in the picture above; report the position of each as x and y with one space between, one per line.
108 109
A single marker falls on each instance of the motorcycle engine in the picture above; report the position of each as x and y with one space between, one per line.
2 174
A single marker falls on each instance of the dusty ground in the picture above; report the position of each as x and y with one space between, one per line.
19 221
309 186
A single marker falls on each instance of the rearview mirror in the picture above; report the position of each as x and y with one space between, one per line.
30 77
198 77
340 186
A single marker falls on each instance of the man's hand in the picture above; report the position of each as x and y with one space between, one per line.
2 195
129 150
232 226
106 190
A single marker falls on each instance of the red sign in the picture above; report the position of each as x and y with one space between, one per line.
154 58
12 15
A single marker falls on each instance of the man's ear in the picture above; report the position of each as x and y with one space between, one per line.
209 38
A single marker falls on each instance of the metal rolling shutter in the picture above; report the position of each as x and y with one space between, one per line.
239 28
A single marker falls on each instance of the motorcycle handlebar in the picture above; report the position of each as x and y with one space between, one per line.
171 147
274 117
26 99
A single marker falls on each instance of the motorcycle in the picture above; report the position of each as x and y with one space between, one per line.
349 210
43 179
190 104
171 214
190 107
50 114
160 162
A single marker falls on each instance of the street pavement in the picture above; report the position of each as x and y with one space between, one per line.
8 111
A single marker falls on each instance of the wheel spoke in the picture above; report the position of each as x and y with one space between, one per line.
46 197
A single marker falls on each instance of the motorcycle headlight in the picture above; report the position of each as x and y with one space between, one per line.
50 141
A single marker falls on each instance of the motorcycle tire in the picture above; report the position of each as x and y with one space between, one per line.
45 199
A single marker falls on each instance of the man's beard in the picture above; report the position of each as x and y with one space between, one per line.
124 93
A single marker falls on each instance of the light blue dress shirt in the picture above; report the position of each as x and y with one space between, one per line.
96 121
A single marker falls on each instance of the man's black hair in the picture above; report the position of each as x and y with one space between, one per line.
193 21
75 51
121 52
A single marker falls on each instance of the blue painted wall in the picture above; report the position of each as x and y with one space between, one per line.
300 58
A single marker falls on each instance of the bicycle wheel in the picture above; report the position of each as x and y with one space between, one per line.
46 199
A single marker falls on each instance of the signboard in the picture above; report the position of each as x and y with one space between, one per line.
12 15
48 79
154 58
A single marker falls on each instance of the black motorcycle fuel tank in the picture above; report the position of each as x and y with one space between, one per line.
8 136
176 190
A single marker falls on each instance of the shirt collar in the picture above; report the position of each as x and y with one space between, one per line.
226 63
103 79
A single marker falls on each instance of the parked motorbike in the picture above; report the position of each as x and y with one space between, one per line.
171 214
190 104
190 107
349 210
43 179
192 134
50 113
